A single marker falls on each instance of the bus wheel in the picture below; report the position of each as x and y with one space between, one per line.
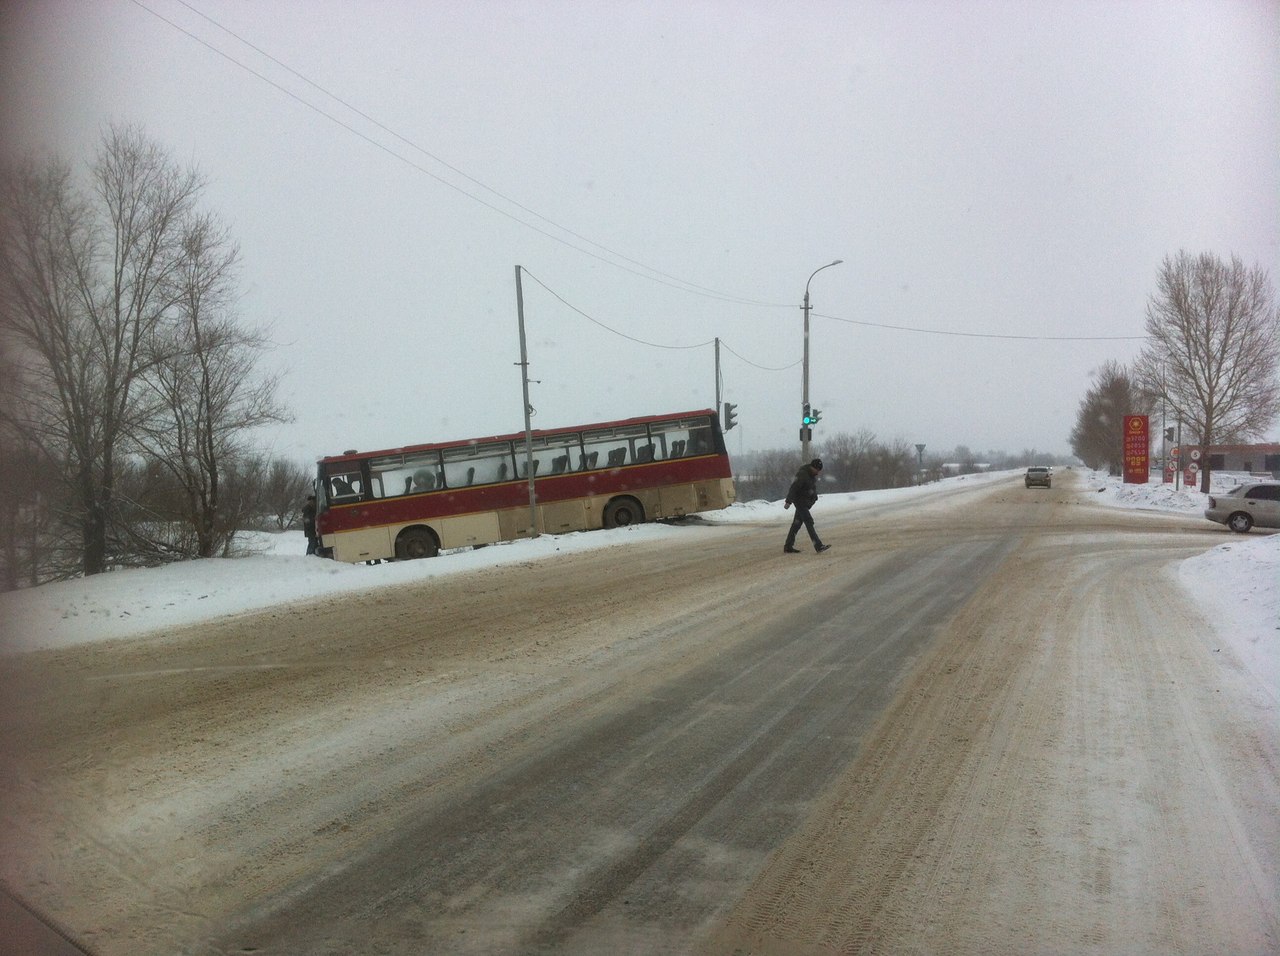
621 512
416 543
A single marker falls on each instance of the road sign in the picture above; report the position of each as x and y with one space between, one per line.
1174 452
1195 454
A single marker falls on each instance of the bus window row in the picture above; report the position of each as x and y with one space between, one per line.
485 463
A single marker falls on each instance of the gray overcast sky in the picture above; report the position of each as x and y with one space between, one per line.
996 176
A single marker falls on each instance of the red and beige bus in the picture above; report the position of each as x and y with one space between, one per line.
414 502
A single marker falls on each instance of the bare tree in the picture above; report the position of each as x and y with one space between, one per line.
287 485
203 390
30 502
1214 348
769 477
847 457
85 285
898 464
1097 438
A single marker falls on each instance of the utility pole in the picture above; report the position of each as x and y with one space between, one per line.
528 410
717 377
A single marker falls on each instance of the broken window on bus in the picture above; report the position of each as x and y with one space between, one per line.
616 446
552 455
681 437
701 437
344 482
477 464
407 474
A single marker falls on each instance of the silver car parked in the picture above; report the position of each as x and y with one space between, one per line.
1253 503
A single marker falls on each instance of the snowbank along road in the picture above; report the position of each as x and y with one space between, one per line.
990 723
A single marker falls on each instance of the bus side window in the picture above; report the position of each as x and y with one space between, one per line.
700 441
343 486
476 465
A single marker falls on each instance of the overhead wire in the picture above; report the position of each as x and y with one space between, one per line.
618 259
595 321
657 345
983 335
650 272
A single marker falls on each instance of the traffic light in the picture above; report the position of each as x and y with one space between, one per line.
730 415
1168 434
808 417
815 416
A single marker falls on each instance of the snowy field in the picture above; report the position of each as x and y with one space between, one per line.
1236 583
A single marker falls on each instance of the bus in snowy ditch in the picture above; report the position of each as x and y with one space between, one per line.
416 501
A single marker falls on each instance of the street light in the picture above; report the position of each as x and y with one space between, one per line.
806 432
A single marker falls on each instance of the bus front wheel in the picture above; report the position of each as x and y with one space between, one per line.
416 543
621 512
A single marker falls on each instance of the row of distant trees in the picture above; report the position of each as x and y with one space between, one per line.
128 381
1210 362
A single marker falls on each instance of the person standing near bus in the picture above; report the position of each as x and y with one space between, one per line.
803 493
309 524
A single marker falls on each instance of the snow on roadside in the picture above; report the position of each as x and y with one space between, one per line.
1236 583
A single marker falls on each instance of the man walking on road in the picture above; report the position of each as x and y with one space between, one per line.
803 494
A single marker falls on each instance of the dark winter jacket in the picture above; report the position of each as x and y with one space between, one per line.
803 492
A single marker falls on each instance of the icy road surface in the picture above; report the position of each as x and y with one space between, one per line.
993 722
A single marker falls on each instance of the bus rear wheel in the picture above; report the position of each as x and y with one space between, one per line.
416 543
621 512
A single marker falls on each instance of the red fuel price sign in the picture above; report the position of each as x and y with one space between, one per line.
1137 450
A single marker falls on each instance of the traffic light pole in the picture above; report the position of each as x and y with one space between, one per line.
806 433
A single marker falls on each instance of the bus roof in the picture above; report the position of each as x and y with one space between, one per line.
514 436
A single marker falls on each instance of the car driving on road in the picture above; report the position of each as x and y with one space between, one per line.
1039 475
1253 503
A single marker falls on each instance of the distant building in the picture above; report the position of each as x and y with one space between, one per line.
1251 459
956 468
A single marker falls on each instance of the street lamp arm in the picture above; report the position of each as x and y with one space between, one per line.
816 271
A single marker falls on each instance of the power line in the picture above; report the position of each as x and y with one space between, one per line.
657 275
763 368
650 273
656 345
595 321
985 335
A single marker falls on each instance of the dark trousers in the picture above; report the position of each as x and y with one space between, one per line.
802 517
